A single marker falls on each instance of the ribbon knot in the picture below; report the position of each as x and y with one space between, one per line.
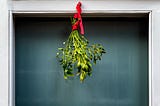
79 18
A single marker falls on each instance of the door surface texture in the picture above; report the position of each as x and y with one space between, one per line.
119 79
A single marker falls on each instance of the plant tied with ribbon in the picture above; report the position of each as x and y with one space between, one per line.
77 53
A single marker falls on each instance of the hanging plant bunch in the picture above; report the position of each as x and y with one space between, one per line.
77 53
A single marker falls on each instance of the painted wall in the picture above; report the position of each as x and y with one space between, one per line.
4 66
43 6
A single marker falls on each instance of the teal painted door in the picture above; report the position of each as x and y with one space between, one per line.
120 79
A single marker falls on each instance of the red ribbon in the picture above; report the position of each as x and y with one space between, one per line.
78 16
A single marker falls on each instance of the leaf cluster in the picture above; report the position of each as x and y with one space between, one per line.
78 54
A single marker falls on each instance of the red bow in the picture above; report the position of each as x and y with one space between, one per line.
78 16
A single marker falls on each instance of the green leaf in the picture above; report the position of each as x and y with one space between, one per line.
60 48
65 77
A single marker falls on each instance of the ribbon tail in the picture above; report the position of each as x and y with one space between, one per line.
81 27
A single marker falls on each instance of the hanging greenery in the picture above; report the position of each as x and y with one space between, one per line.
77 53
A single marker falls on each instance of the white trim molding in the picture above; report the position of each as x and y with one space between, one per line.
156 58
4 53
59 8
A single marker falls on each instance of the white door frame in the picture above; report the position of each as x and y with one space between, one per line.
52 8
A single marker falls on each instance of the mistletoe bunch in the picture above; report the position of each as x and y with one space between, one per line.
78 54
